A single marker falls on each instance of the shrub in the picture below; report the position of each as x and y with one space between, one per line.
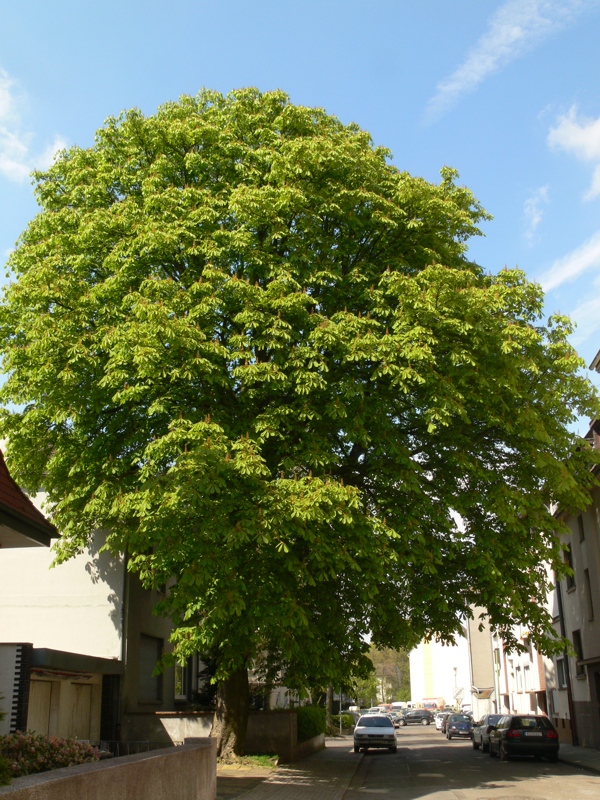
28 752
347 721
5 771
311 722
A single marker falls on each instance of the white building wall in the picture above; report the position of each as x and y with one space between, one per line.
76 606
439 671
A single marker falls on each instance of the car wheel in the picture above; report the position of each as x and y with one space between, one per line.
485 747
424 722
403 722
393 749
553 758
475 745
502 753
356 749
448 736
491 750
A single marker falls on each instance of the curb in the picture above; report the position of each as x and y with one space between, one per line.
580 764
352 776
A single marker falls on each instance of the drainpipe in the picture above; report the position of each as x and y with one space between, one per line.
561 618
124 633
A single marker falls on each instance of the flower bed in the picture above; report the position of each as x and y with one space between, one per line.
28 753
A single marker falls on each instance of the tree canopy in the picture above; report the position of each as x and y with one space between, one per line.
253 350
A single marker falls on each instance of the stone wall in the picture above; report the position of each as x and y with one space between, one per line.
188 772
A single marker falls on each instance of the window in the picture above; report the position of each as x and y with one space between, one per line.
518 679
526 678
568 558
580 528
561 673
588 593
182 678
578 647
150 686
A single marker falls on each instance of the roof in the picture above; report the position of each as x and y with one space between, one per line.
21 523
596 362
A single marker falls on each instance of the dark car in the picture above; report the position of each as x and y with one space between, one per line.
523 735
416 716
459 725
445 718
481 737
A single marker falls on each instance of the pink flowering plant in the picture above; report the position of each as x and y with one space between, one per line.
29 752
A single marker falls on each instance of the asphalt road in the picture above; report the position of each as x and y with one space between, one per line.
429 766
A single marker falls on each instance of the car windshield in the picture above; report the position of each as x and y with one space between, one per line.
524 723
375 722
460 718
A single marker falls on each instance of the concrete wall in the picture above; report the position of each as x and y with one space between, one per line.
269 732
170 727
276 732
185 773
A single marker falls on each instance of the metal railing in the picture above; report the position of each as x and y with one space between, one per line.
116 748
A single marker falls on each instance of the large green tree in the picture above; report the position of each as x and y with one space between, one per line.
257 353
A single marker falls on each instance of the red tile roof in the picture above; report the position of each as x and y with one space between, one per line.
16 502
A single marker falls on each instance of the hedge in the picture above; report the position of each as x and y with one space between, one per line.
311 722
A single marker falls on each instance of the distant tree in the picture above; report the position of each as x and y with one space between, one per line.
392 673
365 690
242 342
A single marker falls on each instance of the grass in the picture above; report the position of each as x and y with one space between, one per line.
263 762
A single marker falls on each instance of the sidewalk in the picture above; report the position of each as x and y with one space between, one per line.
324 775
585 757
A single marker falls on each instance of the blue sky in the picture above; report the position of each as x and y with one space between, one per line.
505 91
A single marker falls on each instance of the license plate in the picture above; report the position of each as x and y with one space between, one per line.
532 733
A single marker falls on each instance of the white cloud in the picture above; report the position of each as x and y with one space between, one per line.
574 264
533 212
580 136
16 158
514 29
587 318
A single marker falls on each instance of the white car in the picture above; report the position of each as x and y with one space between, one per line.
438 720
374 730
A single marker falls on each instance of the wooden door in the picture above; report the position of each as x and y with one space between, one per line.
82 711
38 714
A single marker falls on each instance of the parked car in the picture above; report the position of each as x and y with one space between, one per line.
481 737
446 717
395 717
439 719
523 735
416 716
374 730
459 725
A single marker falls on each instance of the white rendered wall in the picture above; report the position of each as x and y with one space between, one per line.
432 671
75 607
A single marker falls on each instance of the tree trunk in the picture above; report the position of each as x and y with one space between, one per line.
231 716
329 707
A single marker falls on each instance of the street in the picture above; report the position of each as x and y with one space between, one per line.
428 765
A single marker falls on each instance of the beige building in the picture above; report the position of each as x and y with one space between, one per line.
459 675
79 642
